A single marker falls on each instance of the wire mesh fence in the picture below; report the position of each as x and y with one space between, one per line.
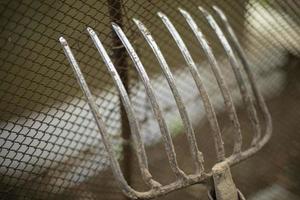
49 140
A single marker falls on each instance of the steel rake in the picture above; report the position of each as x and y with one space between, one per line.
222 185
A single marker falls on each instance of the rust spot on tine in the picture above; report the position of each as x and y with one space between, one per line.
258 96
154 104
229 104
169 76
197 155
133 122
216 69
240 80
100 123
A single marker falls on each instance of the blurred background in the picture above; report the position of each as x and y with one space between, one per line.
50 147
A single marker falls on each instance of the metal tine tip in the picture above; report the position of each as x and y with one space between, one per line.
216 69
133 122
232 112
210 112
97 116
238 75
168 143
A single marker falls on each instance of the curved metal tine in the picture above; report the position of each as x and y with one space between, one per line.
133 122
215 67
237 130
211 115
100 123
154 104
247 99
246 65
169 76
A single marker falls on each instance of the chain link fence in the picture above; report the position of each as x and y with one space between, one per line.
50 145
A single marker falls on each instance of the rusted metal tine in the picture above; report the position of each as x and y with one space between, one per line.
154 104
133 122
242 56
211 115
247 99
215 67
200 176
168 74
209 109
100 123
258 96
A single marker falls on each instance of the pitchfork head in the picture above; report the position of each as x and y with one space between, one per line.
251 97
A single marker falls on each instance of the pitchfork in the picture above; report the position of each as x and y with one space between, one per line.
223 187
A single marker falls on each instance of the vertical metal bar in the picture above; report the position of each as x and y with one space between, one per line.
119 57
